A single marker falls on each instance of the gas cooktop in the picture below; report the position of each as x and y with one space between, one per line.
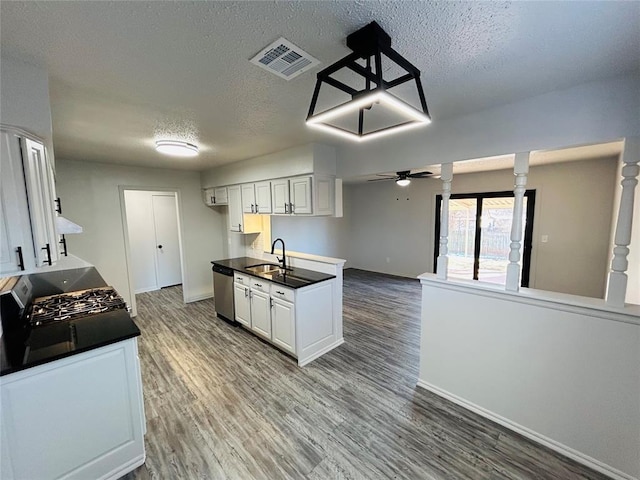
66 306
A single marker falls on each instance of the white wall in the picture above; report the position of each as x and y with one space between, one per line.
566 376
89 193
591 113
24 98
326 236
573 208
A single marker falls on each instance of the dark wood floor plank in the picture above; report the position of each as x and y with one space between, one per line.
222 404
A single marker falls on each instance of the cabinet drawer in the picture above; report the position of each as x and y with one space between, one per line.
241 279
278 291
259 284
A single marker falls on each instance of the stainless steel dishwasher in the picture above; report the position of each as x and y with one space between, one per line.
223 292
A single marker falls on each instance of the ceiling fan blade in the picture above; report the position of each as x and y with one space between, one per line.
381 179
420 174
385 175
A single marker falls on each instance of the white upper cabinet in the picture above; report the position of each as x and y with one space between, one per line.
263 197
235 208
41 197
238 221
300 196
28 237
280 195
215 196
248 198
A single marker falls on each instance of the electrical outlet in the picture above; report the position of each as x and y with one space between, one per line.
544 239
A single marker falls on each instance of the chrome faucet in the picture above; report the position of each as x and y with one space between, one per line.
284 254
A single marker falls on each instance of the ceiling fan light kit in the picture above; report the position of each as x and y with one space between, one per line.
402 178
369 43
177 148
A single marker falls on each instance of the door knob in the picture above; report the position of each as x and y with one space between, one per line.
159 246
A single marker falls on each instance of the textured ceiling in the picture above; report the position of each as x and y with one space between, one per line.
120 72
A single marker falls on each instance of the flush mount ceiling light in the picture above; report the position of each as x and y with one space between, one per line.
176 148
370 46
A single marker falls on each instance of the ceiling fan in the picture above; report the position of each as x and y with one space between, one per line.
402 178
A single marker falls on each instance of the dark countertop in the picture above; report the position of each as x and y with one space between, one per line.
23 346
294 278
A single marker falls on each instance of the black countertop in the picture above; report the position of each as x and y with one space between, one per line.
294 278
23 346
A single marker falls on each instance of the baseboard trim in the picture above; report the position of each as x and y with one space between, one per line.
126 468
530 434
147 289
319 353
197 298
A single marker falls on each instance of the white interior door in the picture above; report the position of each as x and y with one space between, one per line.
165 219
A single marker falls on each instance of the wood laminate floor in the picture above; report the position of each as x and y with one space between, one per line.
221 404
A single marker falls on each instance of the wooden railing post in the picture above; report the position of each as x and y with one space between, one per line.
446 175
617 285
520 170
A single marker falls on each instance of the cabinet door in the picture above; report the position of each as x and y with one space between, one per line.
235 209
324 196
220 195
260 313
15 230
41 198
300 192
242 304
283 324
263 197
280 196
209 198
248 198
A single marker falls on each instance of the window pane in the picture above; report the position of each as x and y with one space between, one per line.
462 227
496 238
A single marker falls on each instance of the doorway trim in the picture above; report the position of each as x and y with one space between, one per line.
527 241
127 246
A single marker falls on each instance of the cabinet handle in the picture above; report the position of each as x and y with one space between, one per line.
239 227
20 258
286 208
271 303
278 291
213 199
58 203
63 242
48 249
246 292
291 208
258 285
256 208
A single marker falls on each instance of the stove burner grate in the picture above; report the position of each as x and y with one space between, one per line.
65 306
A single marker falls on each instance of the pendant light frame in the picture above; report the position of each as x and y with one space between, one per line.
369 43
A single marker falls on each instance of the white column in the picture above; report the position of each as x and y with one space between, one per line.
446 174
520 170
617 285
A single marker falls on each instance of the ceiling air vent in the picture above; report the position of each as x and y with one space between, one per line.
284 59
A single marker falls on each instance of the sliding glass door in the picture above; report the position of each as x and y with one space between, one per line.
480 235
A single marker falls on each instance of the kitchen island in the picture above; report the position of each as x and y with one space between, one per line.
71 389
298 310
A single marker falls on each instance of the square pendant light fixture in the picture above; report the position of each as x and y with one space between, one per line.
370 45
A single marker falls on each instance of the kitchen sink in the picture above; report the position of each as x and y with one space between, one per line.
264 268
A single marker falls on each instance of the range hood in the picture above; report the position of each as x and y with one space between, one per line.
66 226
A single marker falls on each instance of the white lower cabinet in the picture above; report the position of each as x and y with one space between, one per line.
242 304
260 313
75 418
267 309
283 325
